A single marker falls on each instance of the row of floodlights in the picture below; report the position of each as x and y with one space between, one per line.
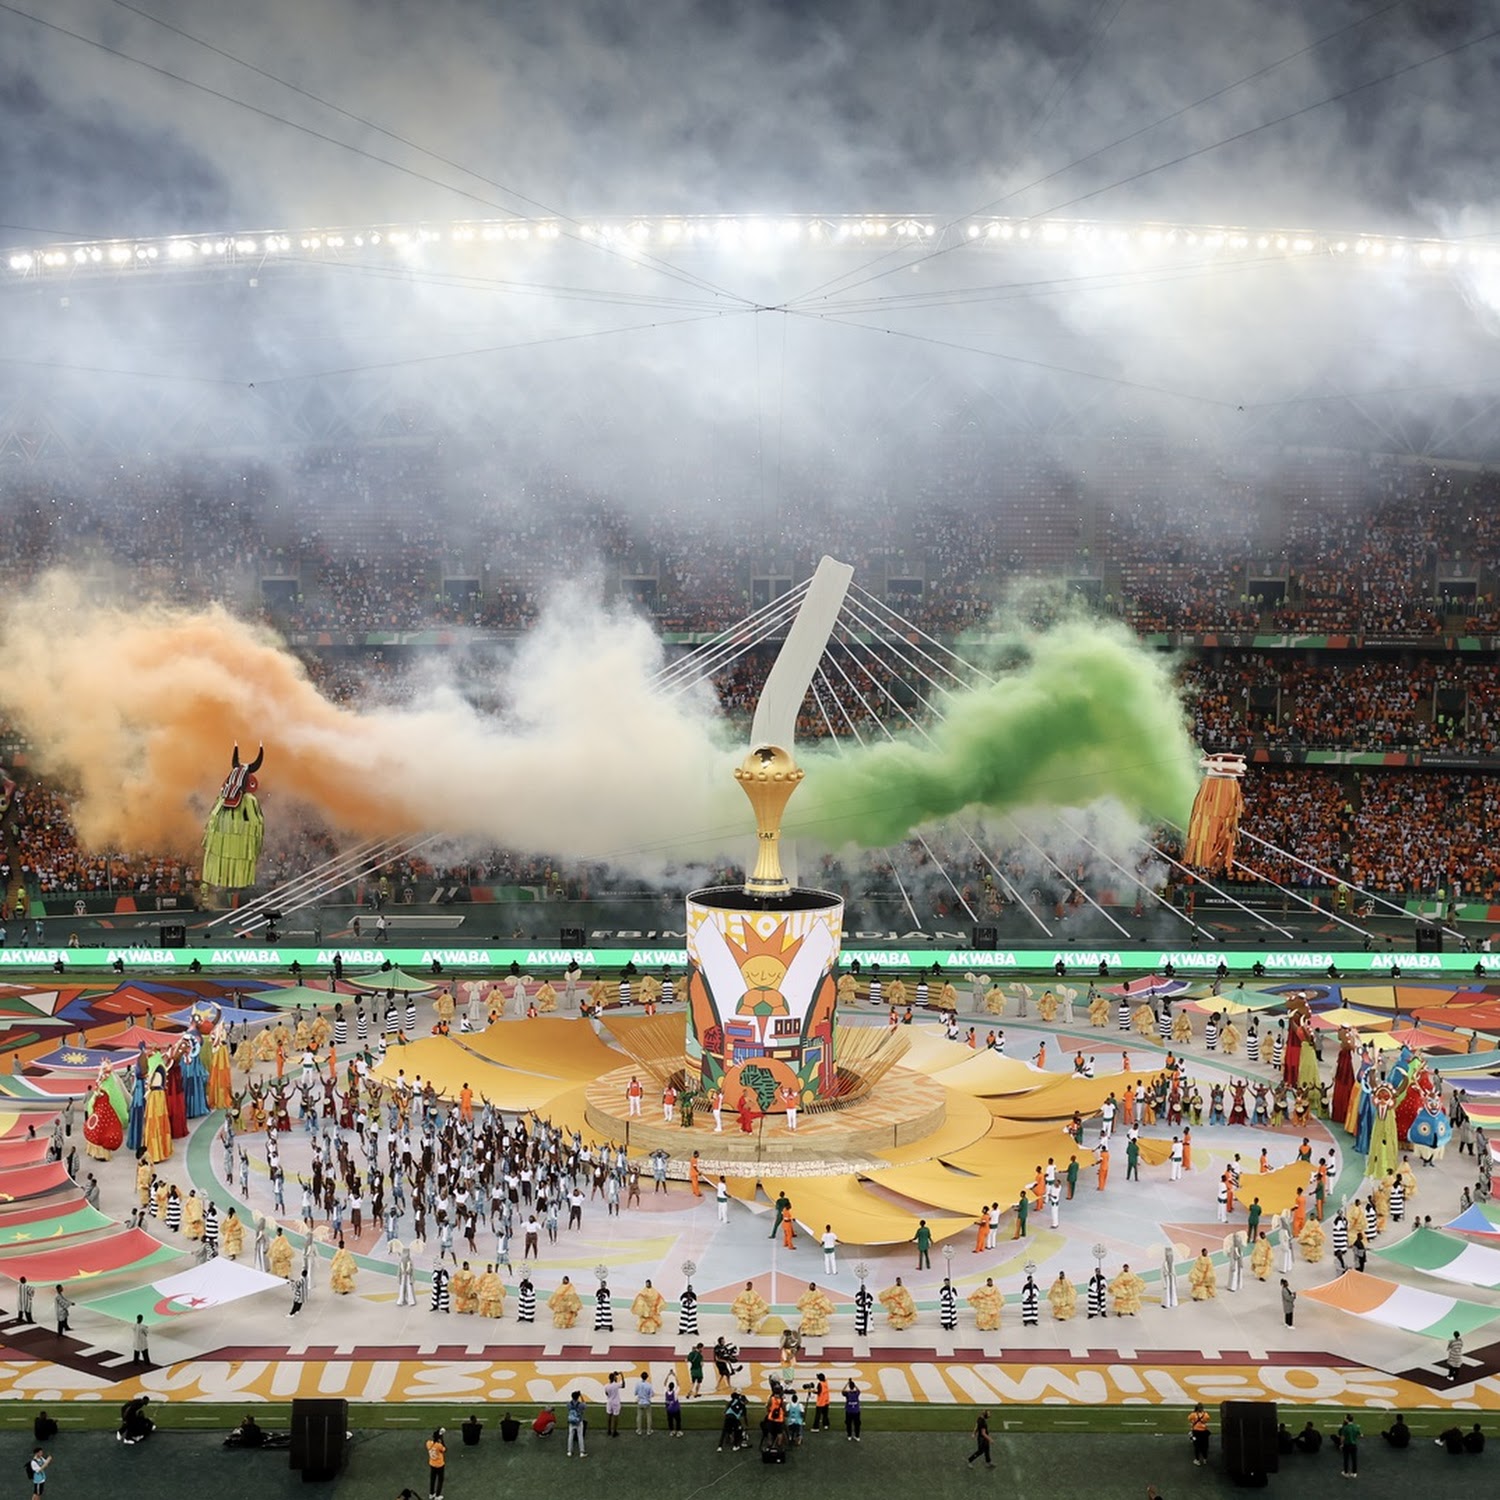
756 233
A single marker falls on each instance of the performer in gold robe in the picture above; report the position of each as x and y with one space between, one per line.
1312 1241
1260 1257
647 1309
342 1271
465 1290
749 1309
233 1236
816 1307
1126 1291
986 1302
898 1304
280 1256
1063 1296
1203 1279
565 1305
491 1294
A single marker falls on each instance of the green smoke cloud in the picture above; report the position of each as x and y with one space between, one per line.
1088 713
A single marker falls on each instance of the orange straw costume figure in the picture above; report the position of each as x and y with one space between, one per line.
1214 823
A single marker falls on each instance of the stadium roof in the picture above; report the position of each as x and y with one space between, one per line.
918 235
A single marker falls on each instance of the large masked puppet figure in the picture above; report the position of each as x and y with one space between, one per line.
1214 823
236 828
1421 1120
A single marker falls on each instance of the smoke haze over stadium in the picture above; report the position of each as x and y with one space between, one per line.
778 357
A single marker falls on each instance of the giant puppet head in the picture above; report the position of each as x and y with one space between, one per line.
241 779
1420 1117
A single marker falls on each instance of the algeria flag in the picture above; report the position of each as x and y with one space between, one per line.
212 1284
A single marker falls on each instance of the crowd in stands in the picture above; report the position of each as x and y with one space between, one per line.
1389 558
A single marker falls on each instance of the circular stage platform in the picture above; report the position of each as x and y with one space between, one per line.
902 1110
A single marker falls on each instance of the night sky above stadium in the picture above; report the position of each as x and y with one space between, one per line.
1343 120
672 106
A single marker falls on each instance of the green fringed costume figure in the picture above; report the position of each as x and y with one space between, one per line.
236 829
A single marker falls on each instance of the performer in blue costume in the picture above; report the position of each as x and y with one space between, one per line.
195 1078
135 1133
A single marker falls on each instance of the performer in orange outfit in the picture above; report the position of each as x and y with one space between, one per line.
1103 1155
981 1228
693 1176
466 1103
747 1111
788 1226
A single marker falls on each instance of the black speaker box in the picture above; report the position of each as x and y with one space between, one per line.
319 1438
570 937
986 939
1247 1433
173 935
1429 938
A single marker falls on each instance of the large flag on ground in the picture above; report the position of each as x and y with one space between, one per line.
1427 1313
1447 1256
18 1183
1478 1219
129 1250
212 1284
61 1223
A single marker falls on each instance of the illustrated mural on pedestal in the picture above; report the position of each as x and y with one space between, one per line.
760 983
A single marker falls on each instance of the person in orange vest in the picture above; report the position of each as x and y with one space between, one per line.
1103 1160
788 1227
821 1401
634 1093
773 1429
668 1104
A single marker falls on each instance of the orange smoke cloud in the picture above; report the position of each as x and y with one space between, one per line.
137 708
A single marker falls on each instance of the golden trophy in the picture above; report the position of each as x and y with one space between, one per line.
768 776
